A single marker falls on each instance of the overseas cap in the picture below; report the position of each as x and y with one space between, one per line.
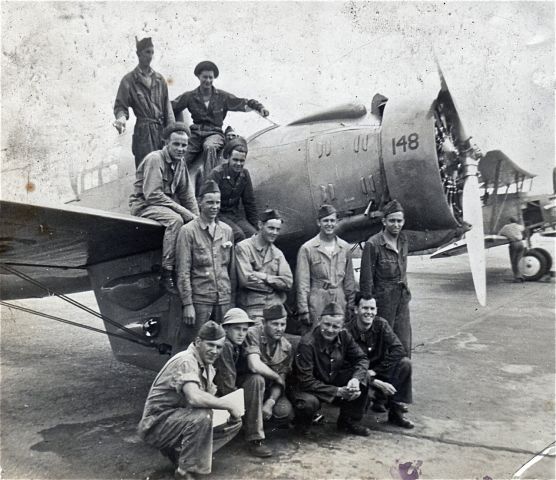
326 210
206 65
175 127
238 143
210 186
228 130
236 315
211 331
270 214
274 312
333 310
143 43
392 207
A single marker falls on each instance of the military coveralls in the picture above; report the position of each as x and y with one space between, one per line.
252 296
236 189
205 270
278 356
206 131
383 275
514 233
322 277
320 368
386 355
148 98
172 425
164 192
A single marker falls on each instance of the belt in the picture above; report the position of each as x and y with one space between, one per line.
323 284
150 120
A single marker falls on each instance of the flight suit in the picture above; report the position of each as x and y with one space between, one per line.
383 275
172 425
164 192
322 278
151 106
253 296
205 270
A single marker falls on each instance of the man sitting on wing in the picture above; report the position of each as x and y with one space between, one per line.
330 367
177 418
208 108
389 367
164 192
238 208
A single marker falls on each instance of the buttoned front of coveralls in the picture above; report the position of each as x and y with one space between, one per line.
383 275
151 106
205 270
322 277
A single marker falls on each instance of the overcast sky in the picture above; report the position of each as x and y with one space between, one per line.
62 63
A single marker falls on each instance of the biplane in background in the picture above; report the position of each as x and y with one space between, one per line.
413 149
505 188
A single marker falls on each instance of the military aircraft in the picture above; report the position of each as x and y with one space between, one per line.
412 149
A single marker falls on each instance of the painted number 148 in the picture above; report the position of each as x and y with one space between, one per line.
412 142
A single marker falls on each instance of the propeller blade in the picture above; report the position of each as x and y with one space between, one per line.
473 214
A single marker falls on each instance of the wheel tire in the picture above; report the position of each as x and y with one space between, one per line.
546 255
533 265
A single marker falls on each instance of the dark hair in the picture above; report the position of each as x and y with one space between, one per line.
362 296
175 127
513 220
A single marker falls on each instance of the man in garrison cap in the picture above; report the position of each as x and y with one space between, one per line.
324 271
163 191
263 275
239 209
383 272
205 263
330 367
208 108
146 93
177 418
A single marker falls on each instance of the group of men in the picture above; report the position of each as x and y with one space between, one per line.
219 256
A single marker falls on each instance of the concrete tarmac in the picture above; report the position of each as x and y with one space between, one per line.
483 394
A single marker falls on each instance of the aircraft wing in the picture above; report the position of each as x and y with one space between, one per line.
460 247
508 172
56 245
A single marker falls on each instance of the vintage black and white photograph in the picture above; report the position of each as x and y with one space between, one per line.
277 240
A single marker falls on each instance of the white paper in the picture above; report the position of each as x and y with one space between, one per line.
220 417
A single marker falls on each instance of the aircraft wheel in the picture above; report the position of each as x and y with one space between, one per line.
533 265
547 256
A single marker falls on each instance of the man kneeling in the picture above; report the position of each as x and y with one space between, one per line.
330 367
177 418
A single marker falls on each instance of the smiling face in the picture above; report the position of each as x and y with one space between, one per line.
394 223
209 206
331 326
236 332
237 161
270 230
366 312
328 224
206 79
209 350
177 145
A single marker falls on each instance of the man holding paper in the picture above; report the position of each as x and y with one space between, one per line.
178 414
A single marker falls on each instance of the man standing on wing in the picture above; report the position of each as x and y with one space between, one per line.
384 273
164 192
146 93
324 271
263 275
177 418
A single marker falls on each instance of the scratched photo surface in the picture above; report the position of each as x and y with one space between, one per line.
483 378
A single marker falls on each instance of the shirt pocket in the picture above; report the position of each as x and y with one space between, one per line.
318 266
388 267
167 183
201 256
225 254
